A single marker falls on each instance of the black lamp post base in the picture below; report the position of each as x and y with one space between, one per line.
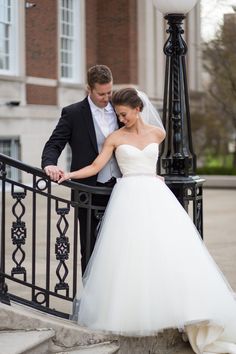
189 192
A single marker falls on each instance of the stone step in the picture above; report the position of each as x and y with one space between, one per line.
67 334
70 338
25 341
95 349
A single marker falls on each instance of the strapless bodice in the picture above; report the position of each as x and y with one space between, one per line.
133 160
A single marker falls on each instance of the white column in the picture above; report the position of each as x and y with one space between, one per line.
151 59
194 49
160 56
146 47
21 49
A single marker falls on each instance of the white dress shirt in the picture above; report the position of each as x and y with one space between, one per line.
105 122
105 117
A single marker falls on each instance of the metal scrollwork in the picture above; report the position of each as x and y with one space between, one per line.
83 198
18 234
175 43
42 184
40 298
62 249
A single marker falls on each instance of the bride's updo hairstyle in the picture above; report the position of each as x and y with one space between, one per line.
134 98
127 97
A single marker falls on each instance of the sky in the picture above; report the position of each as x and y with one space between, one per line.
212 12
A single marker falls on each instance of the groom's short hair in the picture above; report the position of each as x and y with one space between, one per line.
99 74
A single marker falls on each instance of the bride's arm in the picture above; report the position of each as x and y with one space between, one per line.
95 166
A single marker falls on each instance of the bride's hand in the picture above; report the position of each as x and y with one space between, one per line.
64 176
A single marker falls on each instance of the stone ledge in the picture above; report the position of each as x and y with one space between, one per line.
167 342
67 333
71 338
22 341
95 349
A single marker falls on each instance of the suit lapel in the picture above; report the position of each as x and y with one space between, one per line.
88 118
89 123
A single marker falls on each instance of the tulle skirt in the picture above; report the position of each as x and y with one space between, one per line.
151 271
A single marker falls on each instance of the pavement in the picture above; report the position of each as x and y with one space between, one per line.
219 226
221 182
219 215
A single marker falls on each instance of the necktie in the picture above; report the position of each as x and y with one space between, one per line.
104 123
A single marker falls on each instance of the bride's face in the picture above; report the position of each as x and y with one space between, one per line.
127 115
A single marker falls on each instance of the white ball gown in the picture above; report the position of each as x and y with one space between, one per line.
150 269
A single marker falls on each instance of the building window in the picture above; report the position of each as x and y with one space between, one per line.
11 148
8 33
70 40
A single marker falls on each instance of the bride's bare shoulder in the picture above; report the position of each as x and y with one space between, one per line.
159 133
117 133
114 137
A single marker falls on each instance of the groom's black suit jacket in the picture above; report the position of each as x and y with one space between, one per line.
77 128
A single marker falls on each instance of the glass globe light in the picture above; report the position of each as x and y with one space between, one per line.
174 7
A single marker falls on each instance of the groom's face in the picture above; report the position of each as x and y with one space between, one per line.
100 94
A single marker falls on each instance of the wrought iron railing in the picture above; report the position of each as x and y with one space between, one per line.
40 255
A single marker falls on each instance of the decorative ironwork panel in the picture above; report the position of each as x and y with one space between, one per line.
18 234
62 249
34 287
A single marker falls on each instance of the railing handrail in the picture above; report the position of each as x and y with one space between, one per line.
39 172
65 245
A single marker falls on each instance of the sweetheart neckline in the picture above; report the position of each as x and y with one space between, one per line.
136 146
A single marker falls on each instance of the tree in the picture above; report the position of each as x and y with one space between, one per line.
219 57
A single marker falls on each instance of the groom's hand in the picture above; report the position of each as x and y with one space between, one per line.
53 172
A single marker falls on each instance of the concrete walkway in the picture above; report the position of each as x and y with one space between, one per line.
219 207
220 182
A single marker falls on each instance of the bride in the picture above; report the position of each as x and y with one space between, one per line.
150 270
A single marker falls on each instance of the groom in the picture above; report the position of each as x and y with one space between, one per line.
84 126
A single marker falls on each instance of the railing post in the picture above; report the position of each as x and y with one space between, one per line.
4 298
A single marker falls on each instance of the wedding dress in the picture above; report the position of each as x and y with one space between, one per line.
150 269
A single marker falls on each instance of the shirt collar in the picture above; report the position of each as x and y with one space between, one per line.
95 108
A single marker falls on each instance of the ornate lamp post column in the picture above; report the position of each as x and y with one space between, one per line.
177 160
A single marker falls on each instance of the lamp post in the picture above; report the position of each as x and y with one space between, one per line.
177 160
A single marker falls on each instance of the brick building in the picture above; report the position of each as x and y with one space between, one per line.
46 47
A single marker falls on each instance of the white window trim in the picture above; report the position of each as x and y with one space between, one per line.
79 44
15 150
14 41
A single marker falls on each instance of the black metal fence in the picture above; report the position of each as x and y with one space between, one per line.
40 255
